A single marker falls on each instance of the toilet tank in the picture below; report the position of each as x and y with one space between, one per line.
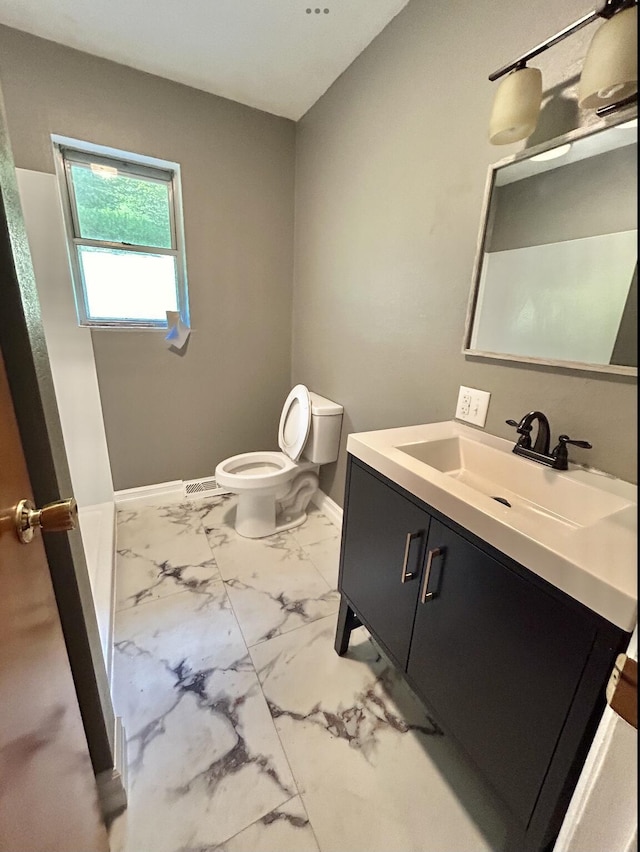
323 442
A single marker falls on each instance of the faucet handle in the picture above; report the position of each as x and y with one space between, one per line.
524 429
565 439
560 455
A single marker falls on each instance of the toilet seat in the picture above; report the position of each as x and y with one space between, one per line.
255 470
295 422
268 471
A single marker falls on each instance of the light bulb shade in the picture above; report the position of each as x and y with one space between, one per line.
610 71
516 106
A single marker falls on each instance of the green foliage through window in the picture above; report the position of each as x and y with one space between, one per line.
117 207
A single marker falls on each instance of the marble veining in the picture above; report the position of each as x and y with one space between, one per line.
245 731
285 829
240 755
176 576
359 723
306 598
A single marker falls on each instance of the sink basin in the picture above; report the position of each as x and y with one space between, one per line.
577 529
527 487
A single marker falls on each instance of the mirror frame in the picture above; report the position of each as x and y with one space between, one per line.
573 135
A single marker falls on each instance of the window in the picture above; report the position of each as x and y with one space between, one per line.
125 236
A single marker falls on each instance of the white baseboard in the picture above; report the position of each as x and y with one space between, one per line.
151 495
328 507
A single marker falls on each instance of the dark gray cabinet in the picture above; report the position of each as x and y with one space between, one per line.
509 666
385 540
500 660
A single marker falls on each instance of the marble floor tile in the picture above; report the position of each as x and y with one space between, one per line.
374 772
271 599
204 758
325 555
235 554
273 585
141 580
285 829
218 518
146 528
161 551
316 528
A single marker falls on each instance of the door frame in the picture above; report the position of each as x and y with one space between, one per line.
23 346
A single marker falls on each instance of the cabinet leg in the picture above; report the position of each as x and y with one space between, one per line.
347 621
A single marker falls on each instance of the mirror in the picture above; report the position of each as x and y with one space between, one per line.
555 279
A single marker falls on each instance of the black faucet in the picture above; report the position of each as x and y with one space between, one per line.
524 428
558 458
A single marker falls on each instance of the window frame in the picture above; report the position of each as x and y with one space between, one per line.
68 152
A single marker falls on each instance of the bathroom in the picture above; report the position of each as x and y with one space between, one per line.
336 251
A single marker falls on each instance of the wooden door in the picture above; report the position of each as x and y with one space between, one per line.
48 798
498 660
384 540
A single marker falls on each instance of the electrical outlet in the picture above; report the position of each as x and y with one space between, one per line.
472 405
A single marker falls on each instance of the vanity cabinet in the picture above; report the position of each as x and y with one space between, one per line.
510 667
385 545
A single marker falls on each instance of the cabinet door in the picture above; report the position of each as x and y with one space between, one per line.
383 543
499 660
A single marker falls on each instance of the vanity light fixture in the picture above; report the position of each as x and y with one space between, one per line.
552 153
609 78
516 106
610 70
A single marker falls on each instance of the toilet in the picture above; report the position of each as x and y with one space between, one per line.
274 489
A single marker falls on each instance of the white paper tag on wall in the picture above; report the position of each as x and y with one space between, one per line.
178 333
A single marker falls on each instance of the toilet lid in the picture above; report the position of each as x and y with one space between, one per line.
295 422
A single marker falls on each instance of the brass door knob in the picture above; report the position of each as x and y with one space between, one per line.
54 517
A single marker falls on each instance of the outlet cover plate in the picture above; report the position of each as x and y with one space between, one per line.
472 405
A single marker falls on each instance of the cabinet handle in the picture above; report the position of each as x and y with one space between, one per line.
426 596
405 575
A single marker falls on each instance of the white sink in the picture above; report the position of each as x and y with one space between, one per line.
527 488
577 529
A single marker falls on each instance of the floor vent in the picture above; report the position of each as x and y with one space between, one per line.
207 487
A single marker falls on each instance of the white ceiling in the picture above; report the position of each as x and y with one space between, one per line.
269 54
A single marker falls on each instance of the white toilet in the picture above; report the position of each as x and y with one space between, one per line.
274 489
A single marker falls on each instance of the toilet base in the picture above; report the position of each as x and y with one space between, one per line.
256 515
287 522
262 515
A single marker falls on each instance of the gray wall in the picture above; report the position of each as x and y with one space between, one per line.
170 417
390 171
598 195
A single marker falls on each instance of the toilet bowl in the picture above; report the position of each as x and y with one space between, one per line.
274 488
